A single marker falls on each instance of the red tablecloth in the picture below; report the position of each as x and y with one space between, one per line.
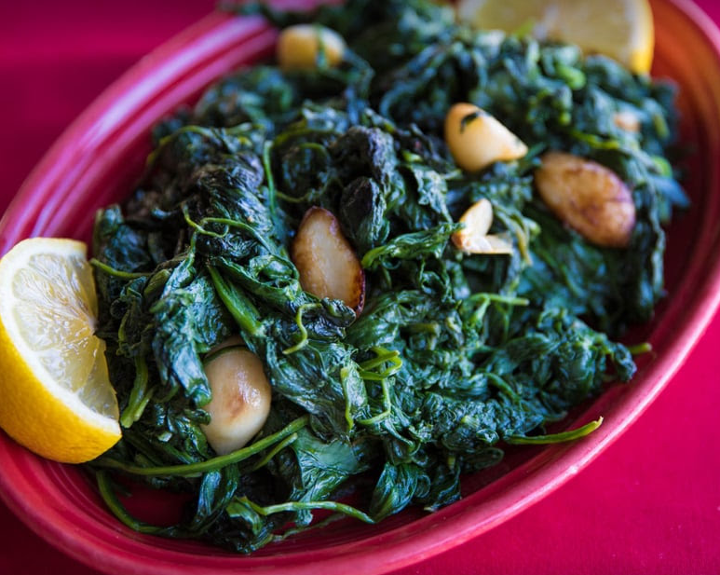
650 503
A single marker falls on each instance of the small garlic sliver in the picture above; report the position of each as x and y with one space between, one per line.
474 237
488 245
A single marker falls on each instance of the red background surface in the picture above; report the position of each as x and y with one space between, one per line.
650 503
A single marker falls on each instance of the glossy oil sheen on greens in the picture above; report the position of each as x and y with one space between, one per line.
454 355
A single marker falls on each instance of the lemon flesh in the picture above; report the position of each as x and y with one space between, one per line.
55 394
620 29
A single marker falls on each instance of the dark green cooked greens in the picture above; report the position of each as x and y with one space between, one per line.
454 355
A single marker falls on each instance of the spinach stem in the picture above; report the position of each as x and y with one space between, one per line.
498 298
640 348
118 273
315 526
243 311
308 505
344 374
291 199
290 439
272 191
227 222
384 356
139 396
198 227
212 464
108 494
502 385
296 132
571 435
241 226
303 340
318 148
387 404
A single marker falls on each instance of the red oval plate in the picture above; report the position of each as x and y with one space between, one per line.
97 161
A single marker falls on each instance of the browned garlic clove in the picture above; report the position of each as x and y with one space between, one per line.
588 197
326 262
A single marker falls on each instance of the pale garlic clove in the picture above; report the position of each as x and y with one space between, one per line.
241 396
474 238
588 197
326 261
476 139
299 46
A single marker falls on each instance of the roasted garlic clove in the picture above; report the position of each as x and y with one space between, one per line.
326 262
240 401
476 139
298 46
474 238
588 197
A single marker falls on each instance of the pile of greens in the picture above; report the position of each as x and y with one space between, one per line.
454 355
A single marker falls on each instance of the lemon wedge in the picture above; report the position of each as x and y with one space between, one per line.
620 29
55 394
